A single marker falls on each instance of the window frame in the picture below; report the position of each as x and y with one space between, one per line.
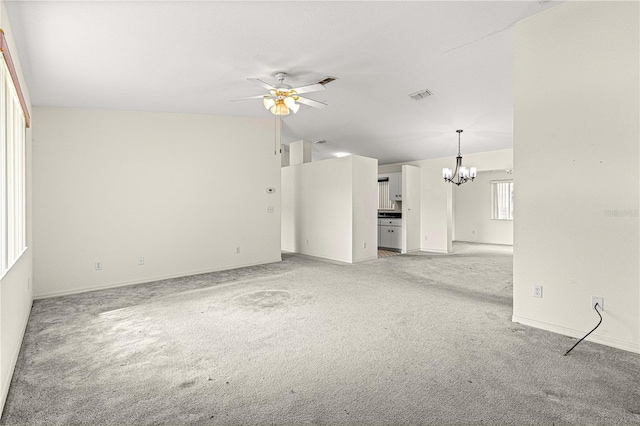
497 200
14 120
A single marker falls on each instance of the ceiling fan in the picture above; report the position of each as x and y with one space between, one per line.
282 98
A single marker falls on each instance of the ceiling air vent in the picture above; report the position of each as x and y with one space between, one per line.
420 95
327 80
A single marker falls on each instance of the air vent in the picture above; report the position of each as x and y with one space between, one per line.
327 80
420 95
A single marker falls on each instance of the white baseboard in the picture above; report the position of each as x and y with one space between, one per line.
146 280
603 340
484 242
431 250
13 361
366 259
321 256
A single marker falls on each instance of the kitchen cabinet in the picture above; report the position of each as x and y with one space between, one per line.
390 233
395 186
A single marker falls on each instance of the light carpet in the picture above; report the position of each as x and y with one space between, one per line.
410 339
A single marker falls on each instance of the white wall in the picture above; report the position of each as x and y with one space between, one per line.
472 211
329 208
411 204
365 208
576 150
15 286
182 191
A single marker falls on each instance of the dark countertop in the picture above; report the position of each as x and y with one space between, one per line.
389 215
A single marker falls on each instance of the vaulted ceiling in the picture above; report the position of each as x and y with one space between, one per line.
195 57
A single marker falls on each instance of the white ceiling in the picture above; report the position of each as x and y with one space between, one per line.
195 56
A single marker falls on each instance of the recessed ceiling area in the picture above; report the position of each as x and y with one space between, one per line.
195 57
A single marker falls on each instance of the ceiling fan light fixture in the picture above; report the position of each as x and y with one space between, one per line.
280 108
291 104
268 103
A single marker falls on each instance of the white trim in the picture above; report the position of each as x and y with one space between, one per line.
13 264
366 259
335 259
410 251
146 280
14 361
432 250
608 341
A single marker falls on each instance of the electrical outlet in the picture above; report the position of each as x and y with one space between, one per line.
599 301
238 250
270 209
473 231
537 291
141 261
364 245
98 266
425 238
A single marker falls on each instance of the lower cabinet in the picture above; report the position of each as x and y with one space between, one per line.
390 233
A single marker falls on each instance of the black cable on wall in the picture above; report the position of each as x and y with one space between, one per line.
594 329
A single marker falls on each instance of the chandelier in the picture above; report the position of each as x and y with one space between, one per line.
463 174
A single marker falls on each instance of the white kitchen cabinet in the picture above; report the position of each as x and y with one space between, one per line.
395 186
390 233
390 237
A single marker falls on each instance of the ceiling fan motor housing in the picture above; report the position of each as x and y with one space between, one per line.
280 76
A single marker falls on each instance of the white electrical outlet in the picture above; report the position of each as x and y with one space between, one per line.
364 245
141 261
270 209
599 301
98 266
425 238
537 291
473 231
238 250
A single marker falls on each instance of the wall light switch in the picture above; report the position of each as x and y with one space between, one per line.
141 261
270 209
98 266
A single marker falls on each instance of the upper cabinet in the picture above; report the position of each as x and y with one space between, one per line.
395 186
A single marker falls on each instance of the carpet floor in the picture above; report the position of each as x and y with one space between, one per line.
410 339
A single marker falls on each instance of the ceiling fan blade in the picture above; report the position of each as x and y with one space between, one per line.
309 88
250 97
262 83
312 103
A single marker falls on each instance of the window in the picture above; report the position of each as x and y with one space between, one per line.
13 167
502 200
